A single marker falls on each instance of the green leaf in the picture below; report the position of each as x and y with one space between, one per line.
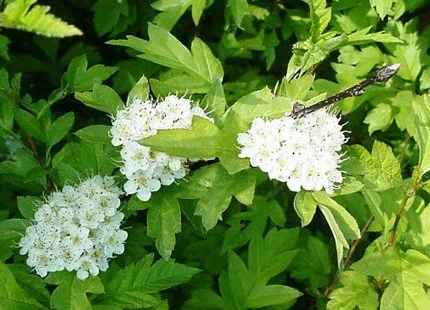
243 287
94 133
71 293
18 15
320 17
59 128
272 295
256 216
214 102
238 9
357 292
363 36
379 170
4 42
102 98
12 296
382 7
199 64
132 286
31 283
197 10
139 91
164 221
203 140
305 206
171 12
380 118
406 273
28 205
404 118
11 231
30 124
411 54
79 78
107 14
220 188
313 263
296 89
342 224
421 110
78 160
261 103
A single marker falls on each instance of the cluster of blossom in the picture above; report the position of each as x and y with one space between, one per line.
303 152
77 228
146 171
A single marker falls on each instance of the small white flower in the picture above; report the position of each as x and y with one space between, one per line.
301 152
72 228
144 169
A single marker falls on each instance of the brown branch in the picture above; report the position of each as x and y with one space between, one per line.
349 256
383 75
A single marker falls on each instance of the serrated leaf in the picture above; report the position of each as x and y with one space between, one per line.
171 12
220 190
406 273
107 14
382 7
421 110
363 36
296 88
4 42
80 79
134 285
313 263
71 293
357 291
243 287
320 17
411 54
12 296
380 118
238 9
19 15
379 170
164 221
199 64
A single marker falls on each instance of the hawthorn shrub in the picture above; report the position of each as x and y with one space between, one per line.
202 154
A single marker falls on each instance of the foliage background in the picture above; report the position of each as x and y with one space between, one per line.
259 255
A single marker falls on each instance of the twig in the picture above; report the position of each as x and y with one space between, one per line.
349 256
383 75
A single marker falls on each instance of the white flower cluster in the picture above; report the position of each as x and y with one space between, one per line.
302 152
77 228
144 169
